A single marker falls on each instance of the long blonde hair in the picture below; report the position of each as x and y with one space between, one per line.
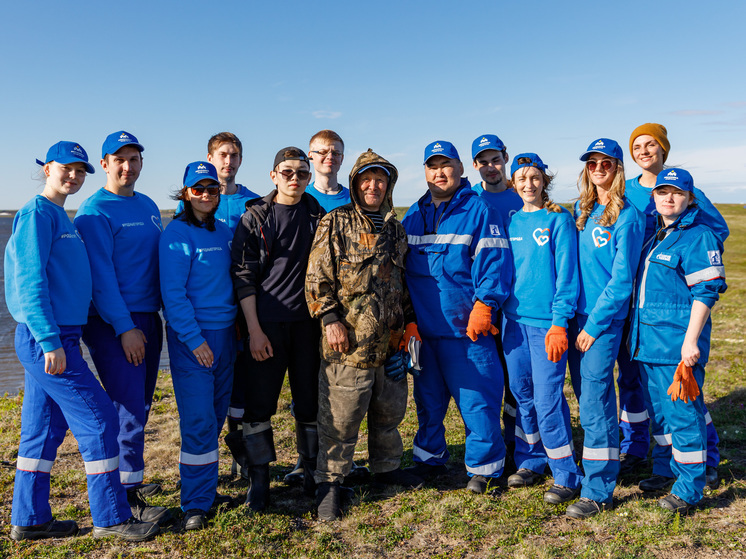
589 196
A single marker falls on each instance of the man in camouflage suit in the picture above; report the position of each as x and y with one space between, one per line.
355 285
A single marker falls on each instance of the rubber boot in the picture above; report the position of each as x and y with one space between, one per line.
235 426
260 451
327 502
307 441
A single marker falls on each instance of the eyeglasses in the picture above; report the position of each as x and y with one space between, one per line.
324 152
606 164
200 190
288 174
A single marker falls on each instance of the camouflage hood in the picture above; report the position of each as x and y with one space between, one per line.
372 158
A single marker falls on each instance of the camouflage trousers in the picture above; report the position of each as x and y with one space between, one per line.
346 394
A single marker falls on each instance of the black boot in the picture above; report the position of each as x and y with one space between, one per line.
327 502
260 451
307 440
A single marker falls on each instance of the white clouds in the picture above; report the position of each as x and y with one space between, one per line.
326 114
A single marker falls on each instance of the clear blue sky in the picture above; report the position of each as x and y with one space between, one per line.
546 76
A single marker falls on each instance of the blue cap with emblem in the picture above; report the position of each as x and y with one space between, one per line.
68 152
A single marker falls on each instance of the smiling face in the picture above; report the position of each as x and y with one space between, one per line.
371 188
290 178
63 180
443 176
122 168
203 203
670 202
648 153
227 159
529 184
601 170
326 157
491 166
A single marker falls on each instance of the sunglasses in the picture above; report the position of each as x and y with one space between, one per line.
288 174
606 164
200 190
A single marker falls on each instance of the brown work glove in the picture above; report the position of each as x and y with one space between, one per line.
480 321
684 385
555 343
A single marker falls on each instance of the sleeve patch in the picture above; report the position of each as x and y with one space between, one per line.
715 258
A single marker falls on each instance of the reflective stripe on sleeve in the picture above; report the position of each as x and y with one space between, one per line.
493 242
663 440
444 239
711 273
690 457
558 453
34 465
530 438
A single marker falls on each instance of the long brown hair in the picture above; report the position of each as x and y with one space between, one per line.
188 213
589 196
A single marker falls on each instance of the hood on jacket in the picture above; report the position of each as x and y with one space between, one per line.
365 160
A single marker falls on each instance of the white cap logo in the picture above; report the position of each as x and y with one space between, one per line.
672 175
201 168
78 149
437 147
123 137
483 141
599 144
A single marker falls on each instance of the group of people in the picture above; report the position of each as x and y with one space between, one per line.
483 294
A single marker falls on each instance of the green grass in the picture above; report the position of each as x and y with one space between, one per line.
438 521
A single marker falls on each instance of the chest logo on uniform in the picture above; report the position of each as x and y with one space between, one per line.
663 257
600 237
157 222
541 236
714 256
494 230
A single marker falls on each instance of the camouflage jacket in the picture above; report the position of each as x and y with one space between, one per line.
356 276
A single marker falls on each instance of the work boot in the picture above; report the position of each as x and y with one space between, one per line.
426 471
712 481
295 477
656 483
307 441
195 519
399 477
259 452
132 530
558 494
675 504
629 463
585 508
523 478
52 529
478 484
142 511
258 495
327 502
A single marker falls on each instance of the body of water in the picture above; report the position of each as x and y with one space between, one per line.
11 371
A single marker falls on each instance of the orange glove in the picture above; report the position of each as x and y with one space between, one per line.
555 343
480 322
684 385
410 330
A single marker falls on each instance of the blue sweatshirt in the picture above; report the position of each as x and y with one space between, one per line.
458 254
231 207
195 280
545 257
47 276
642 199
121 236
608 263
329 201
685 266
506 202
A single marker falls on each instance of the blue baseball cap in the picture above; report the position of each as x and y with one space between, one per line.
488 141
604 146
199 170
116 141
446 149
676 177
526 160
68 152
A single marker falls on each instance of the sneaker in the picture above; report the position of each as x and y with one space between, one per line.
426 471
132 530
523 478
713 478
399 477
328 502
195 519
295 477
674 503
629 463
52 529
142 511
656 483
585 508
478 484
558 494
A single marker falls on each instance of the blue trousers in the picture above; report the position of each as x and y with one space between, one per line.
202 397
471 373
681 427
592 375
510 406
544 433
130 387
51 405
634 421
